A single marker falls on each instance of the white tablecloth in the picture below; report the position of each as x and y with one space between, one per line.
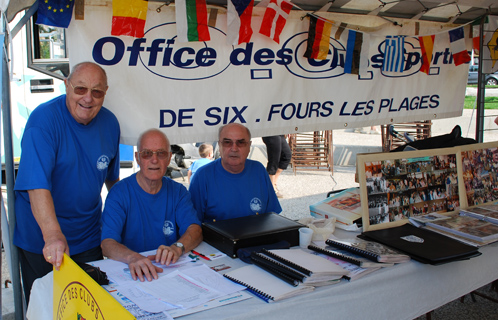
404 291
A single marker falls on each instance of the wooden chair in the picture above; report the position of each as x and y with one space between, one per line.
417 130
312 151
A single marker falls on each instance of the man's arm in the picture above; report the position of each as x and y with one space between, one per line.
42 206
139 265
189 174
190 239
109 183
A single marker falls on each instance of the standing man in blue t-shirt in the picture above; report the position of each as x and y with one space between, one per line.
148 211
70 148
233 186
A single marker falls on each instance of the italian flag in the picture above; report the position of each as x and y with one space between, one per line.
192 20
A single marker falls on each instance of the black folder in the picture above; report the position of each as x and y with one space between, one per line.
263 229
423 245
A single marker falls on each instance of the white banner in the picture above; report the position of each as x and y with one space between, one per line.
190 89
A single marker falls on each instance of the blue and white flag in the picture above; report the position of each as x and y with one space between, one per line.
394 58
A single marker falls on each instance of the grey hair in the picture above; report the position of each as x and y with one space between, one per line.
230 124
140 138
81 64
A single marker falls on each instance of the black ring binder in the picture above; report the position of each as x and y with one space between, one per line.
335 255
366 254
287 262
280 270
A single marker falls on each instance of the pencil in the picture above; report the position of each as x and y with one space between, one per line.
200 255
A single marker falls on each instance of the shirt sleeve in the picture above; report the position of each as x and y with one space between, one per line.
186 215
197 196
114 215
37 160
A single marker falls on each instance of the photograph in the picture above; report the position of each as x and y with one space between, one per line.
407 185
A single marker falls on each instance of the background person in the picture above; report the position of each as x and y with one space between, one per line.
206 153
279 157
70 148
148 211
233 186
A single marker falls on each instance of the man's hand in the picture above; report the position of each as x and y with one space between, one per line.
166 255
142 268
54 249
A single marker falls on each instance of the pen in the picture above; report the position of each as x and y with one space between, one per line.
200 255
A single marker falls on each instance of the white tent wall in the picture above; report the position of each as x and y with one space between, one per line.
393 18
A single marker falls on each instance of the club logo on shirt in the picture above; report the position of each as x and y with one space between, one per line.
256 205
168 228
103 162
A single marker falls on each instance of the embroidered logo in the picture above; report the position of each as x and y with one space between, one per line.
168 228
103 162
413 238
255 205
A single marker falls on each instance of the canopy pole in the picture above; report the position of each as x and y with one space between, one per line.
481 87
10 176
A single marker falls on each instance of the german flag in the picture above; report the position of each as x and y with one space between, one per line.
318 39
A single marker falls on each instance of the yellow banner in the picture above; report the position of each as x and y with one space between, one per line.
78 296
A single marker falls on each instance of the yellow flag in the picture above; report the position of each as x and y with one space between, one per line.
78 296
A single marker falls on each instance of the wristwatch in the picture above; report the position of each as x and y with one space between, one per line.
180 245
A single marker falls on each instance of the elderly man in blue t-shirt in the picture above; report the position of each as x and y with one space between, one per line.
233 186
70 148
148 211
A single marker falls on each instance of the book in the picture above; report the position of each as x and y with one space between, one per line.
369 249
265 285
349 257
468 227
304 266
423 245
345 206
484 212
430 217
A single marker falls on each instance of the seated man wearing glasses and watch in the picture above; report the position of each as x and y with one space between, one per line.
70 148
148 211
233 186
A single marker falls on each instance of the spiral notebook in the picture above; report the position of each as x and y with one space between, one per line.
349 257
369 249
265 285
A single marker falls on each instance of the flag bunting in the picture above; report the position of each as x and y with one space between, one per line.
128 18
275 17
192 20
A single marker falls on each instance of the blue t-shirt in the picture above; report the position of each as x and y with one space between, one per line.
72 161
218 194
143 221
197 164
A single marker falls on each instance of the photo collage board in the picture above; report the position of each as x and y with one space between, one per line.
422 184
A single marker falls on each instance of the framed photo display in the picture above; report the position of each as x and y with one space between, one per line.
479 173
396 186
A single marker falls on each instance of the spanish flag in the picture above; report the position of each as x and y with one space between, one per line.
426 46
318 39
128 18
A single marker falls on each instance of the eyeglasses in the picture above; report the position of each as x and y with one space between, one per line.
80 90
227 143
147 154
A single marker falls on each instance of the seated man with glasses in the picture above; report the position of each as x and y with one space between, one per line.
233 186
148 211
70 148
